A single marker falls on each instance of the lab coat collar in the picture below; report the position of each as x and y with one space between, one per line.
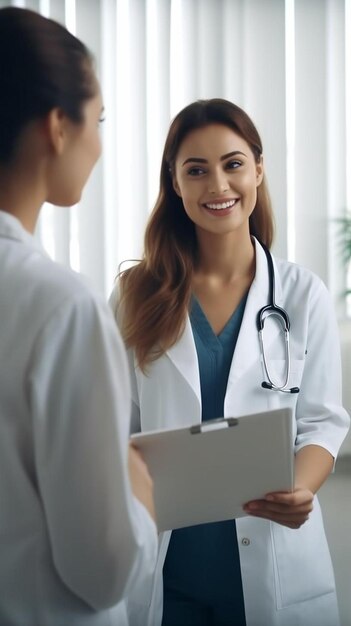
11 228
247 352
184 356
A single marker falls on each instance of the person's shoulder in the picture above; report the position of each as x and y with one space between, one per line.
294 273
57 281
53 286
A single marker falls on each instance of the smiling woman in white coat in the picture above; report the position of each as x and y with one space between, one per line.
74 539
189 316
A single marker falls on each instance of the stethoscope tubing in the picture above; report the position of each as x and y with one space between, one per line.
272 309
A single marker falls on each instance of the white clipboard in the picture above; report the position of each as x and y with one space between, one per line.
205 473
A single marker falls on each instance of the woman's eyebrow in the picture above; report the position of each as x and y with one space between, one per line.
195 160
234 153
222 158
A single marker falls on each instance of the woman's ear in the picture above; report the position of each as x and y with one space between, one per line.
55 128
259 172
176 186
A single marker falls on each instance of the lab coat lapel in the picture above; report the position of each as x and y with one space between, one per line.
247 350
184 357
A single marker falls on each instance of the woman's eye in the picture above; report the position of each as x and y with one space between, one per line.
233 165
196 171
101 119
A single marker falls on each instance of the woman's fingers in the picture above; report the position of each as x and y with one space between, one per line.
288 509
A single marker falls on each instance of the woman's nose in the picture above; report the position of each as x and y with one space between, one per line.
218 183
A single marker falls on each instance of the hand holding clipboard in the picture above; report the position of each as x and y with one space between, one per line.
205 473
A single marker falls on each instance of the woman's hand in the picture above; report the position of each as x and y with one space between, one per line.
289 509
141 481
312 466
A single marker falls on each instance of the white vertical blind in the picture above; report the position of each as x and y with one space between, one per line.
336 143
286 62
290 97
311 216
347 67
264 97
154 125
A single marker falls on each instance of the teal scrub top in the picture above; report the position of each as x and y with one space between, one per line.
202 562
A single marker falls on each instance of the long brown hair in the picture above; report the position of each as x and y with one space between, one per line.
155 294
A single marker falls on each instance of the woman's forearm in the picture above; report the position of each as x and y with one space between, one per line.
313 465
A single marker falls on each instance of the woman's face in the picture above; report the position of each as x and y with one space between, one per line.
82 150
217 177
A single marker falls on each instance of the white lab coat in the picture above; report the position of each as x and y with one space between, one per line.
73 540
287 574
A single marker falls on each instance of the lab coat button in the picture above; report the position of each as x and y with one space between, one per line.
245 541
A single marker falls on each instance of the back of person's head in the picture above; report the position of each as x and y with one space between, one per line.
198 115
42 66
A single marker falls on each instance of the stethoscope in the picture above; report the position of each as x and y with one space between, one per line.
272 309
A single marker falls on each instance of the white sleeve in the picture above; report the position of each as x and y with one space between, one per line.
321 418
103 540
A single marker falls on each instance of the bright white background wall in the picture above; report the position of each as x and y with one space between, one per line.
286 62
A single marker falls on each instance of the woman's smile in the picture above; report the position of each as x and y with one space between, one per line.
221 208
